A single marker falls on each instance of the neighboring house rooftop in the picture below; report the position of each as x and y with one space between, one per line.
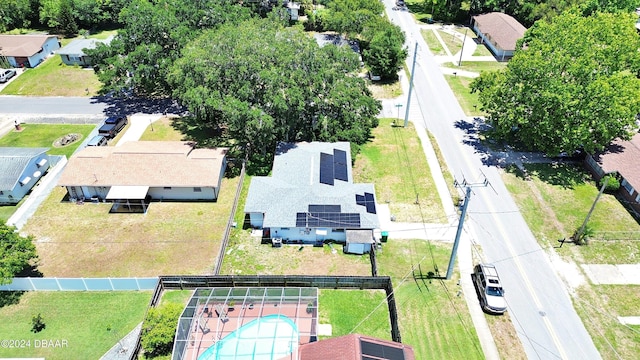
624 157
355 347
503 30
145 163
13 161
22 45
76 47
310 179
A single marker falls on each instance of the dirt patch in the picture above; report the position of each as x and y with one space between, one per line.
506 337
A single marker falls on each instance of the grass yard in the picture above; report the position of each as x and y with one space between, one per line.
53 78
419 11
82 319
452 42
395 162
480 66
460 86
481 50
44 135
368 313
433 43
433 319
385 89
162 130
172 238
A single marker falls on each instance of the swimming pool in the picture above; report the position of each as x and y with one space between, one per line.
270 337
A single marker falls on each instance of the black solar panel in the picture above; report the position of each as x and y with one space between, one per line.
370 203
379 351
340 164
328 219
326 169
360 200
324 208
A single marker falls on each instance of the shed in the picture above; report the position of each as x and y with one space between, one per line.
358 242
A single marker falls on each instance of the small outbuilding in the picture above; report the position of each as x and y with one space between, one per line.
73 53
27 50
20 169
499 32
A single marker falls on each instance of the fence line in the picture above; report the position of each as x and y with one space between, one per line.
80 284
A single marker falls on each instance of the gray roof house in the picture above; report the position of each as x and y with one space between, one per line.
310 197
20 169
500 32
73 53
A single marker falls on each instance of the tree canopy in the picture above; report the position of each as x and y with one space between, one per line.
573 85
258 82
16 253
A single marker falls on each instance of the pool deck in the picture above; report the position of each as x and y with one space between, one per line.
216 327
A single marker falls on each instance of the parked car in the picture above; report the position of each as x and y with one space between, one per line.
97 140
6 74
112 126
487 282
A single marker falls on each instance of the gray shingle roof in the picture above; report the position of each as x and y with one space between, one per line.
75 47
295 185
13 161
622 156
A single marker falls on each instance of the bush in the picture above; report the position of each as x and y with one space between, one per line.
37 323
612 183
159 330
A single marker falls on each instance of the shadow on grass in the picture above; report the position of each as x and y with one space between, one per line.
8 298
566 175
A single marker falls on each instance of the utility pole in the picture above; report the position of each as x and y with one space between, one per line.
413 68
467 197
462 50
578 234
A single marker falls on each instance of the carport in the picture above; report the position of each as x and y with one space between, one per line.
128 195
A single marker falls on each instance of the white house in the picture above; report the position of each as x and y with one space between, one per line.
310 197
139 171
27 50
20 169
73 53
500 32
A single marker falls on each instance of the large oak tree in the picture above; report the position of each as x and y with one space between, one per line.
17 253
574 84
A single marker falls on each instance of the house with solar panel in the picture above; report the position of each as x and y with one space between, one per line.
20 169
310 198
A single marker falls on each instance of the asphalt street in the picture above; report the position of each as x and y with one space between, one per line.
539 304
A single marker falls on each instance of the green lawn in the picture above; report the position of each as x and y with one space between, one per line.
368 313
78 319
433 43
53 78
162 130
460 86
44 135
395 162
480 66
420 11
482 50
452 42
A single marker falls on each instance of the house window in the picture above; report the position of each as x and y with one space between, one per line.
627 186
337 230
167 187
197 189
74 58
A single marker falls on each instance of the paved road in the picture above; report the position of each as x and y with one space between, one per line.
50 105
539 304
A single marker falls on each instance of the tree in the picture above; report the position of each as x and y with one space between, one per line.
350 16
383 48
66 20
14 14
159 329
574 84
258 83
16 253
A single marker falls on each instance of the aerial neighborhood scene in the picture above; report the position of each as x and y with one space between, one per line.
319 179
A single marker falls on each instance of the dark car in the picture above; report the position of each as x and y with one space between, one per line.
112 126
6 74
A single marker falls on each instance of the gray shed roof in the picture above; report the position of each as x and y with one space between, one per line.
295 184
75 48
13 162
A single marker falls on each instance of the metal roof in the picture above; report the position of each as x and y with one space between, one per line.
13 162
76 47
295 184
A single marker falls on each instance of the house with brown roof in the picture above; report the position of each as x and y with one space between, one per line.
499 32
140 171
27 50
355 347
621 157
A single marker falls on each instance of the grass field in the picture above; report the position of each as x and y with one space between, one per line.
53 78
452 42
385 89
460 86
44 135
161 130
480 66
433 43
395 162
81 319
368 312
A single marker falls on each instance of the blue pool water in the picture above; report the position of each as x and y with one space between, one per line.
270 337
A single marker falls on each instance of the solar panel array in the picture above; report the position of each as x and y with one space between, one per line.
327 216
333 167
367 200
373 351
